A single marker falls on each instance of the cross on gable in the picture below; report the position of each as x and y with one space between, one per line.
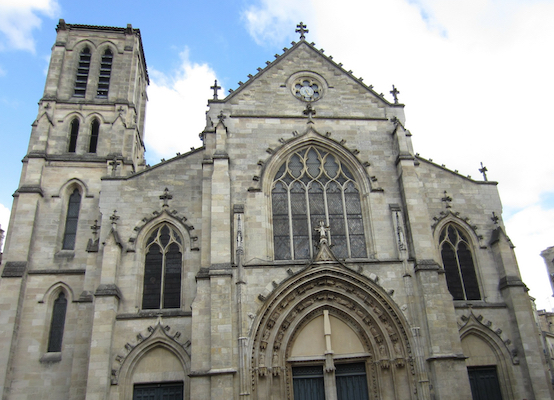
447 200
114 218
301 29
221 116
494 218
114 164
309 111
166 197
483 170
95 228
215 88
395 94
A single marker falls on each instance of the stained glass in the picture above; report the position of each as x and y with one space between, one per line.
313 186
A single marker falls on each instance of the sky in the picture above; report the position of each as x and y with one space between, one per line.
475 76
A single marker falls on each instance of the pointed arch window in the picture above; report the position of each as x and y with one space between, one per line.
73 135
162 269
82 73
71 220
94 132
105 74
459 267
312 185
57 324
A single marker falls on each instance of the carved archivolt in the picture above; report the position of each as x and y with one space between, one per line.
486 329
352 298
153 336
173 217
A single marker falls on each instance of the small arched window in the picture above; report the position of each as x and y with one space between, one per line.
94 131
71 220
162 269
82 73
73 135
105 73
311 186
57 324
459 267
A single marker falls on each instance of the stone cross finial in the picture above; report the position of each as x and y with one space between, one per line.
309 111
166 197
395 94
322 229
95 228
447 200
215 88
301 29
221 117
494 218
114 219
483 170
114 163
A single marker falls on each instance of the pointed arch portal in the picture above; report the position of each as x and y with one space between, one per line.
296 346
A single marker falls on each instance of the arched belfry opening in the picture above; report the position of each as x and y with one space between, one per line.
331 331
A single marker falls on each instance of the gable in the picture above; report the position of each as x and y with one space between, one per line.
270 93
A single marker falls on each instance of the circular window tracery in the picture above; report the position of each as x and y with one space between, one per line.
307 88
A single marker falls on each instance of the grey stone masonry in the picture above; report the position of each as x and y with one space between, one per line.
305 243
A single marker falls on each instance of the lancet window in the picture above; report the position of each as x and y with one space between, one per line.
162 269
73 135
71 220
313 185
458 263
94 132
57 324
82 73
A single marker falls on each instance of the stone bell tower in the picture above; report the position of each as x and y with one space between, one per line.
90 126
94 101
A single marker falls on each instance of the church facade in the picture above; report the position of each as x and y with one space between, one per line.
305 251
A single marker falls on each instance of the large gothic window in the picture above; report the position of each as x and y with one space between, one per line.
162 269
71 220
311 186
82 73
459 267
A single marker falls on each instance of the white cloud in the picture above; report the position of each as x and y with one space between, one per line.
272 21
532 231
474 78
4 221
176 111
19 18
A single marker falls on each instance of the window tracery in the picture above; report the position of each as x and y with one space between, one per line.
313 185
458 264
162 269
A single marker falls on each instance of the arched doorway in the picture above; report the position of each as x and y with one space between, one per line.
326 327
